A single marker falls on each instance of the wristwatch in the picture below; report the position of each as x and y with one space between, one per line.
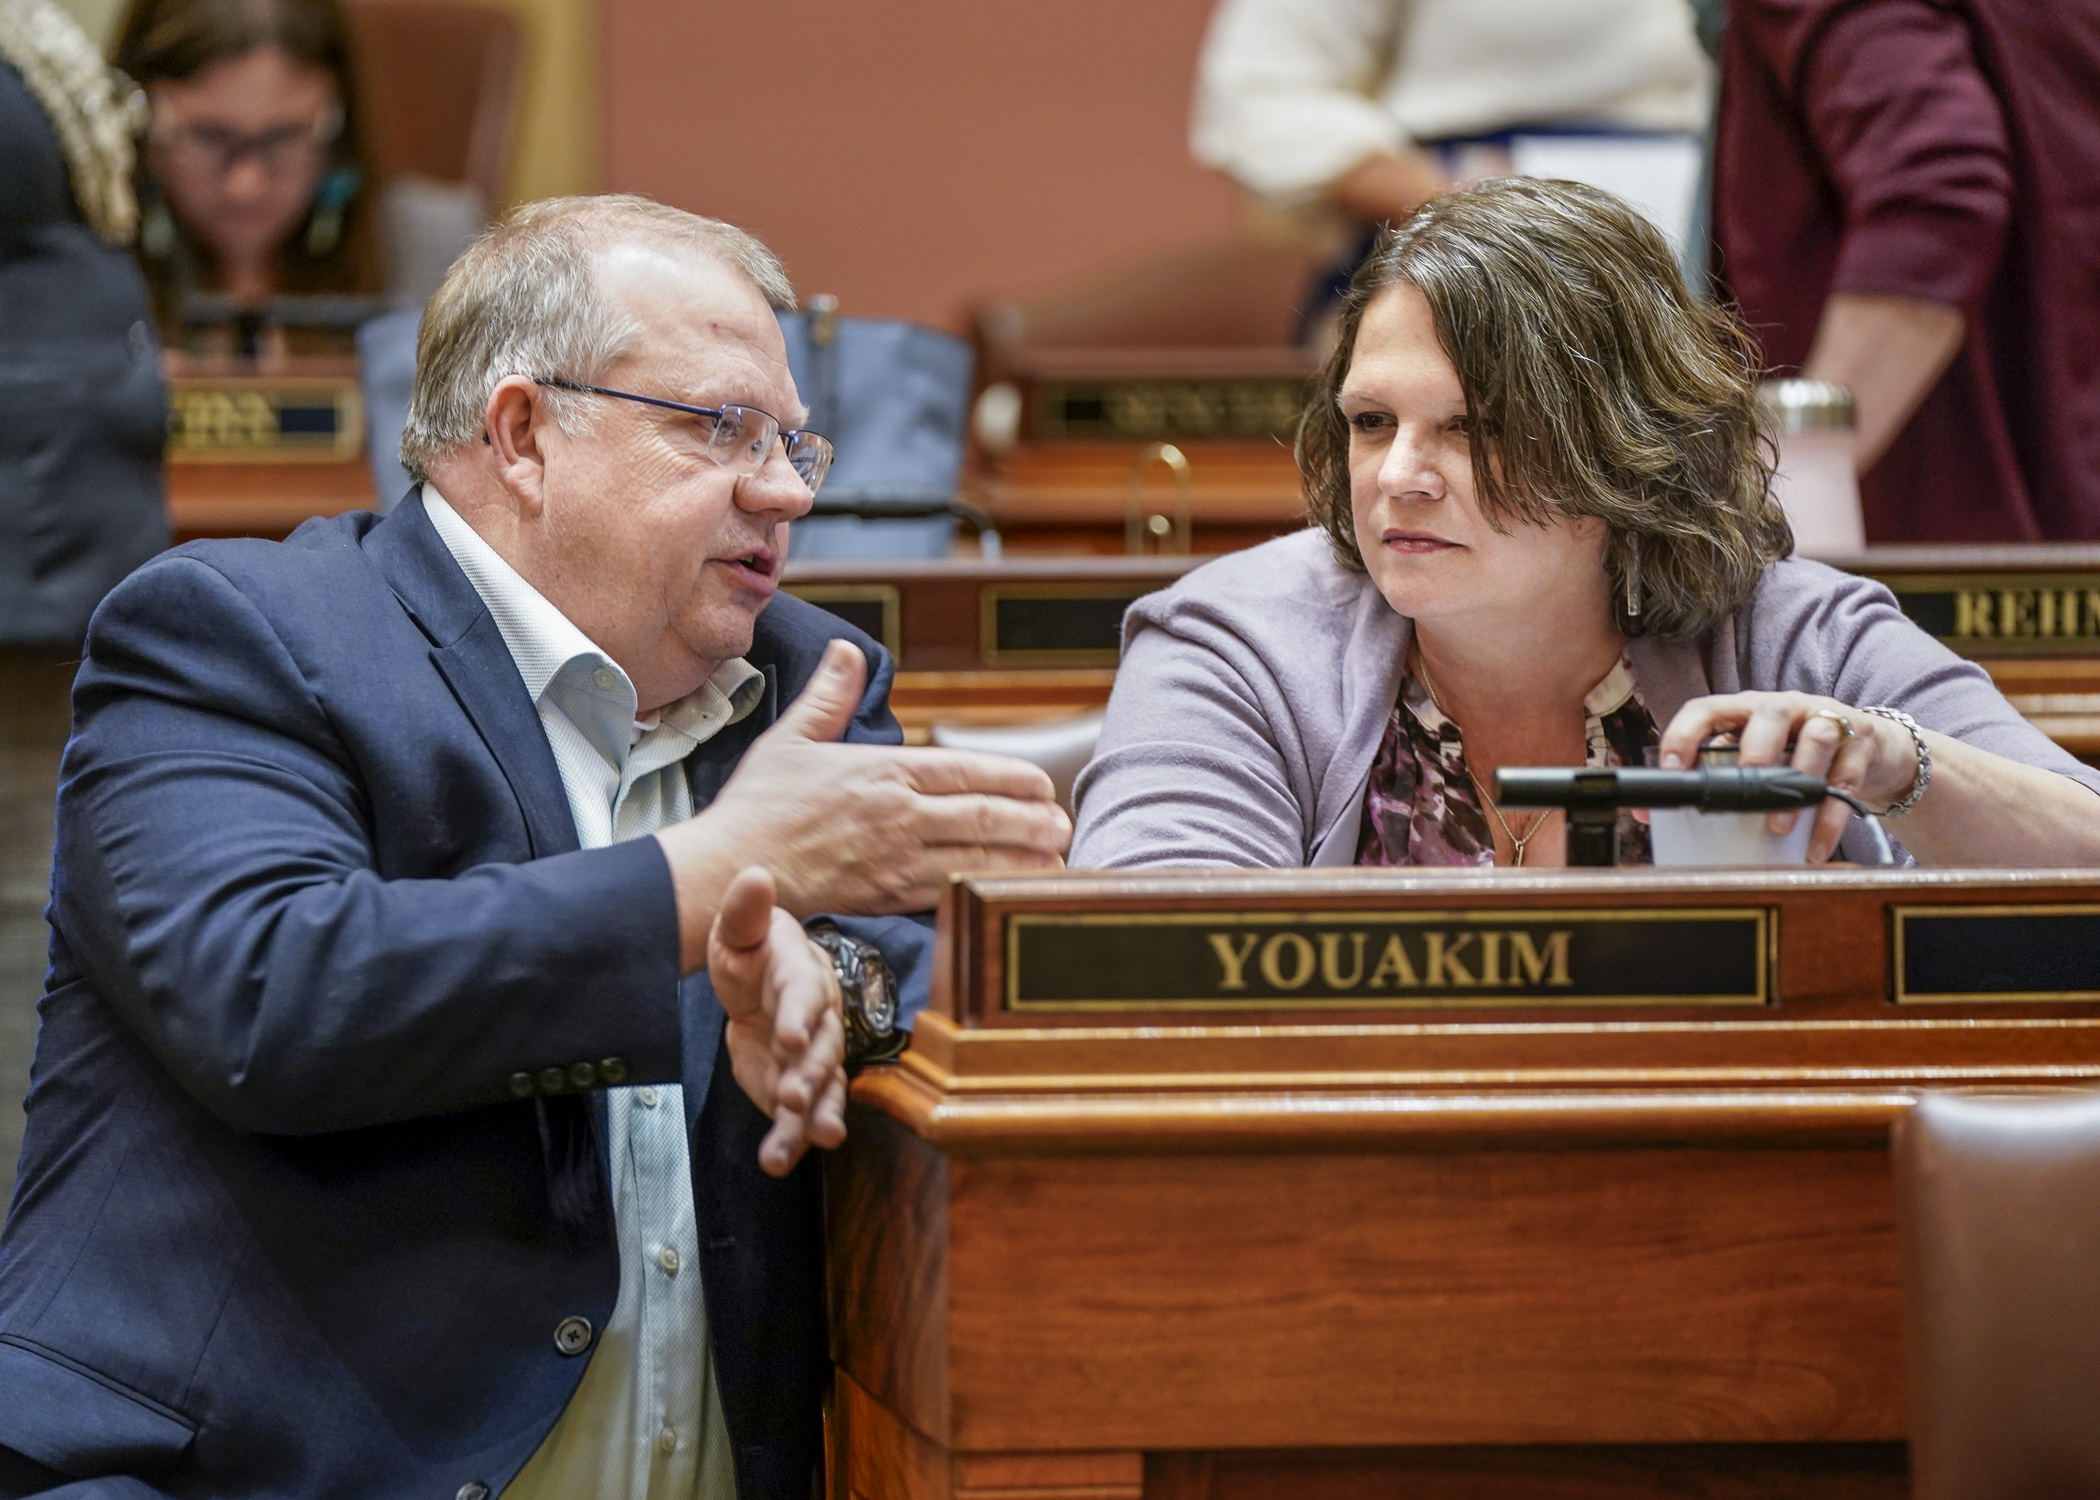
869 994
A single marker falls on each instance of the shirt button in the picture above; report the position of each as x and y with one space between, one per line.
572 1335
473 1489
668 1440
668 1259
604 677
645 1096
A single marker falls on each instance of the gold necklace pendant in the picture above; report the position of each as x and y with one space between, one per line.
1517 845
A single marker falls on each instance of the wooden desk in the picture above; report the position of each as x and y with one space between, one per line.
255 450
1037 638
1132 1219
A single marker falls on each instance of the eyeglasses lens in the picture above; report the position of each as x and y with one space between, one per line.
742 439
810 456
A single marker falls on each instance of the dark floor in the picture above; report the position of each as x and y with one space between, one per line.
32 733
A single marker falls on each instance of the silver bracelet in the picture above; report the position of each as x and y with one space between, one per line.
1924 777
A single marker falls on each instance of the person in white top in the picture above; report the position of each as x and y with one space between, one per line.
1370 107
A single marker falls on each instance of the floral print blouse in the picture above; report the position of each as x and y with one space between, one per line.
1422 809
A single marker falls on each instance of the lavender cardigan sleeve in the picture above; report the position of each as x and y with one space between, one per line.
1253 693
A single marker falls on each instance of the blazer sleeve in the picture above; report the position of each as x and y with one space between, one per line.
216 881
1909 130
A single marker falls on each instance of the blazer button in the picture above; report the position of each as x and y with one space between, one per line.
521 1085
583 1075
572 1335
552 1080
473 1489
613 1070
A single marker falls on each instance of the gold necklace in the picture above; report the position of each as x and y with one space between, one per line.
1518 844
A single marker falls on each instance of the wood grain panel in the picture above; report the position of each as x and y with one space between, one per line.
1627 1296
886 1211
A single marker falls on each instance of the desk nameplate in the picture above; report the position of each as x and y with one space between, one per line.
1054 624
876 608
265 420
1275 960
2009 955
1983 614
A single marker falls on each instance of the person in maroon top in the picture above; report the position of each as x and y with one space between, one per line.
1907 201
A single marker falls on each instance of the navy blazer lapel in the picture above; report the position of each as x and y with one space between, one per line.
469 650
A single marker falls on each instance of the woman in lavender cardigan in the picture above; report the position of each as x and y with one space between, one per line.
1546 537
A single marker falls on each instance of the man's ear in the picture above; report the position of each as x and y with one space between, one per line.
514 427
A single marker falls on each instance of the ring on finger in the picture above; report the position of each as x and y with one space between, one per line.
1844 724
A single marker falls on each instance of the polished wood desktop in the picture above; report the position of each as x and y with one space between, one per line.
1188 1189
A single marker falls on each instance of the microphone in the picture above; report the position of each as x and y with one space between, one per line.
1593 795
1711 788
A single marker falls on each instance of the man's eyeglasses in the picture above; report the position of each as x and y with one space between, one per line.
740 438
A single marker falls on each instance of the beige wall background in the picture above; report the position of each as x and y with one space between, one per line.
912 156
557 145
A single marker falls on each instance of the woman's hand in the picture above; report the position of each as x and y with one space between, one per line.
1876 762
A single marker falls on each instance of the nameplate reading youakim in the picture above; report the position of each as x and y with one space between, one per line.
1278 960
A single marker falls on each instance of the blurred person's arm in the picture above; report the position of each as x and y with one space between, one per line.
1889 352
1285 105
1386 188
1916 145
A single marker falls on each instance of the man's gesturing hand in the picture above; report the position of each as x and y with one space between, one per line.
857 829
787 1042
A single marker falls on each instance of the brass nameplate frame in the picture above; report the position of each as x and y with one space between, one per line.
1054 624
1273 960
1966 955
257 420
1983 614
1242 407
877 608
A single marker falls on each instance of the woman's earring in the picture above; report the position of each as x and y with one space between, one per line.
1633 578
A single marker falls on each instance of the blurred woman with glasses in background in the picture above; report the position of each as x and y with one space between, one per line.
254 185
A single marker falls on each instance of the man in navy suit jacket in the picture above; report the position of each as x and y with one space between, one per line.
315 1198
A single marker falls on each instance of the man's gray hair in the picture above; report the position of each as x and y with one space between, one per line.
525 300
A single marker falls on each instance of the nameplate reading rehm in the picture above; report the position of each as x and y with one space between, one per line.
1281 960
1985 613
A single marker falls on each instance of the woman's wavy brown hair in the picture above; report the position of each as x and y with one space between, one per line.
1595 386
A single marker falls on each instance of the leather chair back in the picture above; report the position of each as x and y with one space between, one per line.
2000 1203
1061 747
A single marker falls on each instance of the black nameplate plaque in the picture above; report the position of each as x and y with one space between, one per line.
873 607
1164 410
2017 613
1958 955
1274 960
247 420
1071 624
